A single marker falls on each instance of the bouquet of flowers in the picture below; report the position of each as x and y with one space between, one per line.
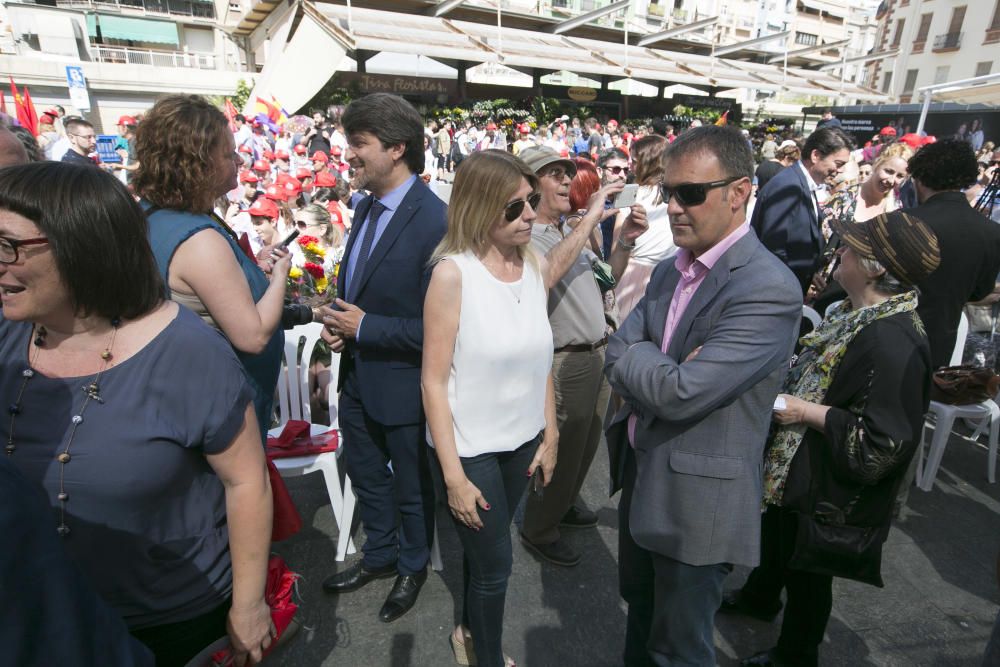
315 282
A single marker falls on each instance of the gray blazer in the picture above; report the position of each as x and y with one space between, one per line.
702 424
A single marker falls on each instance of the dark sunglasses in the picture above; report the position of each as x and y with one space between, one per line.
692 194
617 170
513 210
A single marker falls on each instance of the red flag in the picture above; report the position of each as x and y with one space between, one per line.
29 107
23 116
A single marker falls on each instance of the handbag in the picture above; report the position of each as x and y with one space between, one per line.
602 272
964 385
825 544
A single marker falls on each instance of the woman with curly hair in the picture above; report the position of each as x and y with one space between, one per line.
187 159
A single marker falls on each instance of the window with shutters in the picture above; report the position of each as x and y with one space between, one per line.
911 81
922 32
984 68
952 40
993 32
899 32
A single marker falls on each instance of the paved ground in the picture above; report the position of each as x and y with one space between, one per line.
937 607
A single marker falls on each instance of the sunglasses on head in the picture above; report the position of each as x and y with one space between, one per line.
692 194
617 170
513 210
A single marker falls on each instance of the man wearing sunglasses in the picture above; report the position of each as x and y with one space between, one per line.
613 165
576 314
787 214
698 364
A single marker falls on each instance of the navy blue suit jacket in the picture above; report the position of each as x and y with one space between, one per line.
386 358
786 223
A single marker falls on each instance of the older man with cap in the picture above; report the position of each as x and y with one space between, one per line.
576 314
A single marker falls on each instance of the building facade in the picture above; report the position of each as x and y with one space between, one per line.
938 41
130 52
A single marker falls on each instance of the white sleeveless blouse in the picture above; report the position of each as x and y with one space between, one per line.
503 355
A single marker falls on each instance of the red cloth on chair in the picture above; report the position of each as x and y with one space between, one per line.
296 441
286 520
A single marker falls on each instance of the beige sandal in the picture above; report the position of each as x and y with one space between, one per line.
464 652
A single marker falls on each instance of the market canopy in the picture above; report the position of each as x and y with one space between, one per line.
132 29
347 31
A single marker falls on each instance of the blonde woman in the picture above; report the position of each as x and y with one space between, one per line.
486 329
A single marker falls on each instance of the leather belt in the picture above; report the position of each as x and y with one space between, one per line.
584 347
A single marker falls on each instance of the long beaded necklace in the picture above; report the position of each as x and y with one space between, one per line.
92 392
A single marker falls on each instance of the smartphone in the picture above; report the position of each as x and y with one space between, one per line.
288 239
537 485
626 197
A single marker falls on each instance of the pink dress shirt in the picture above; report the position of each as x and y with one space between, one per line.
693 271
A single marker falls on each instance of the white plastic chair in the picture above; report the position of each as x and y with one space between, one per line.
293 403
987 412
811 315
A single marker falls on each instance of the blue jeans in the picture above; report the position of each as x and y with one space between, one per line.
671 605
488 558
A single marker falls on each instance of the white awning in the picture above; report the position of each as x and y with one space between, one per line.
452 42
298 67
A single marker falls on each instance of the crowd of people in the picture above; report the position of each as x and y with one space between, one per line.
645 285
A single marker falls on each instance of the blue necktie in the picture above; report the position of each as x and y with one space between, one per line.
366 248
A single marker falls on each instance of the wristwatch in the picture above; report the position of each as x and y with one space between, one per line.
625 246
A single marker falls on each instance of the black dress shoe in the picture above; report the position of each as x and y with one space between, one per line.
557 553
733 602
578 517
402 596
767 658
357 576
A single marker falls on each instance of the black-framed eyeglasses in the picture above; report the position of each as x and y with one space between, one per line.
513 210
692 194
8 247
617 170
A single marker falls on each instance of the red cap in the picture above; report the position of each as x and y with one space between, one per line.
276 192
249 177
262 165
491 126
244 149
52 111
126 120
320 156
887 131
281 155
612 123
336 217
47 118
929 139
325 179
268 155
335 151
292 187
597 126
264 207
299 149
912 140
302 173
524 128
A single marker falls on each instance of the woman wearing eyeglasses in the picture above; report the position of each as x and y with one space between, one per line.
487 389
133 418
199 257
656 243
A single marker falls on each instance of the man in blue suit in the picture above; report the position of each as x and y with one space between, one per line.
787 217
378 328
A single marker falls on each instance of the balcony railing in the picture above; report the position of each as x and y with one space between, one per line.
194 9
122 55
950 40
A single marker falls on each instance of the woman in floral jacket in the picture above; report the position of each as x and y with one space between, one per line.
852 416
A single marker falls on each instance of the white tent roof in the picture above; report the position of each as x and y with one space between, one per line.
454 41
